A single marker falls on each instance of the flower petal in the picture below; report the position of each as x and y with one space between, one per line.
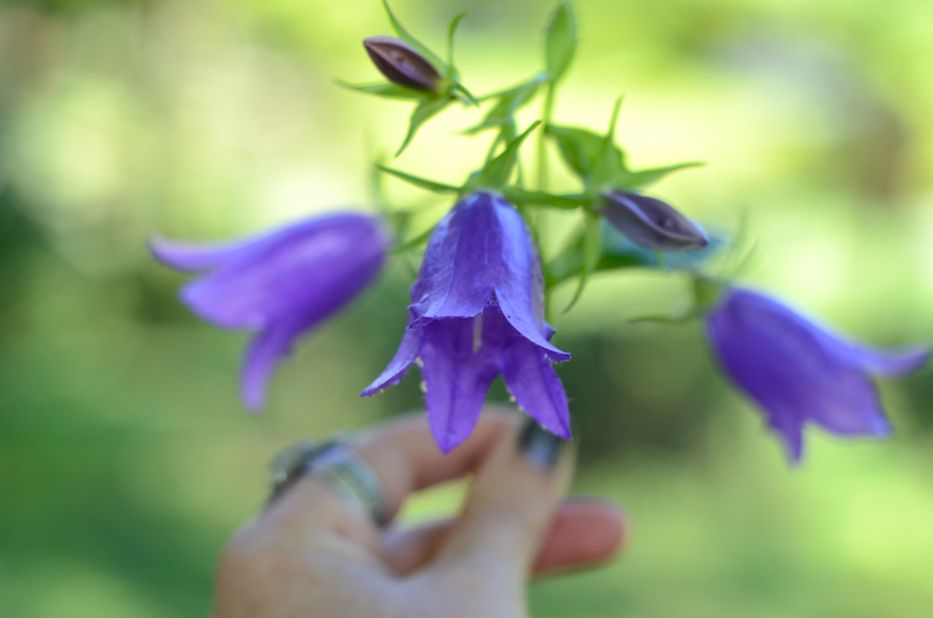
530 377
406 354
461 263
299 275
266 349
520 288
190 257
781 362
456 378
889 363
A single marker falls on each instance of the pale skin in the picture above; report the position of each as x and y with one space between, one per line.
311 554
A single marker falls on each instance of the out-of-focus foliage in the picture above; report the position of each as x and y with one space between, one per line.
125 458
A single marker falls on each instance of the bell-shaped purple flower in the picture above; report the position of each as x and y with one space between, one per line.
477 312
279 284
799 371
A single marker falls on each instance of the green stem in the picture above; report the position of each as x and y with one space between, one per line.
542 138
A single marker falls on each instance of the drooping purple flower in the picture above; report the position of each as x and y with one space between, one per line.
797 371
278 284
477 312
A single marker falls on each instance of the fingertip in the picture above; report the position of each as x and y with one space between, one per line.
584 533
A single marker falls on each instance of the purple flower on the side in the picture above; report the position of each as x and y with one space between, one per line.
278 284
477 312
799 371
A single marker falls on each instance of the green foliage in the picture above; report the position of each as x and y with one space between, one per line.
560 41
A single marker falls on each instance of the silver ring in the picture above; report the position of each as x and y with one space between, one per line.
337 465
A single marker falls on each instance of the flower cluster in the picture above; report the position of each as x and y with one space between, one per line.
478 303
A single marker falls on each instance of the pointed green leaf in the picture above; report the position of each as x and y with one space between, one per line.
423 183
560 40
524 197
610 161
383 89
508 104
591 251
627 179
664 319
413 242
498 171
451 34
421 114
581 149
406 36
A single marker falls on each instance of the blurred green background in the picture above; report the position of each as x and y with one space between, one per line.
126 459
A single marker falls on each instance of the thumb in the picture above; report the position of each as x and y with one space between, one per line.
513 498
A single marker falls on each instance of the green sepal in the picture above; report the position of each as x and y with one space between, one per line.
421 183
560 44
609 162
498 170
451 34
592 248
627 179
423 112
508 103
618 252
406 36
413 242
386 90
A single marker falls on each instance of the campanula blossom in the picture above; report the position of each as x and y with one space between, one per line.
799 372
477 312
278 284
651 223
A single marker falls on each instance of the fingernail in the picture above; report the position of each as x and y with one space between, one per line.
539 446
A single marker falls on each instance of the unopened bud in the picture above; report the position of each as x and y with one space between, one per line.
401 63
651 223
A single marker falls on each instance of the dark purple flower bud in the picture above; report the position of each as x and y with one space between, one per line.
401 63
477 312
279 284
800 372
651 222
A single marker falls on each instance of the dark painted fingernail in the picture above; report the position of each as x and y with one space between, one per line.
539 446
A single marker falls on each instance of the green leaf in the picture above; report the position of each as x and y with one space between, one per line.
610 160
560 40
422 113
406 36
509 102
423 183
386 90
627 179
498 171
524 197
413 242
581 149
451 34
592 238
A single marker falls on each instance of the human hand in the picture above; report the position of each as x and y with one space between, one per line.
311 554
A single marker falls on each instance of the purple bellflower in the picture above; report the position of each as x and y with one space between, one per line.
477 312
279 284
799 372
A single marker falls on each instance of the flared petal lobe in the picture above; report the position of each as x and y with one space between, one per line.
279 284
796 370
